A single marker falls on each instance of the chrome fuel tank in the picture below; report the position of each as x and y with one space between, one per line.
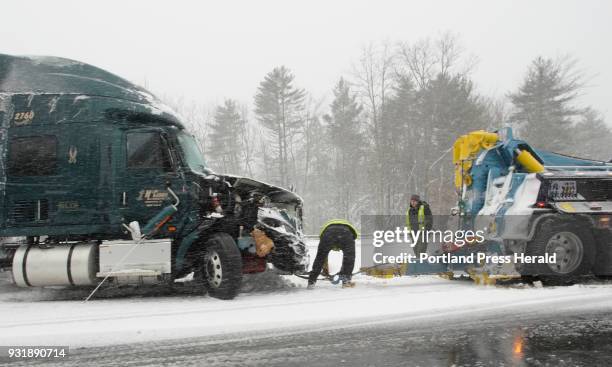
70 264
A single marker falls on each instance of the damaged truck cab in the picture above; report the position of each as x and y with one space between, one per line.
85 153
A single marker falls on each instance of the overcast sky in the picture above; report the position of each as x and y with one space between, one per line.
208 51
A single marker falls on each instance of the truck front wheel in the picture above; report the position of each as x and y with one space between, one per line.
572 244
221 267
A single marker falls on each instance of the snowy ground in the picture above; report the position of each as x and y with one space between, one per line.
270 305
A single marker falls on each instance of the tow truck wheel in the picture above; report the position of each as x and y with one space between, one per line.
221 266
570 241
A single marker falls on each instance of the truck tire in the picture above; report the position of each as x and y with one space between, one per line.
221 266
574 245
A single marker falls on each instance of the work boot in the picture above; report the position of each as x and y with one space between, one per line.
346 282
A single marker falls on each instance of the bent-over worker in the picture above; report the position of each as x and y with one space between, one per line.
336 235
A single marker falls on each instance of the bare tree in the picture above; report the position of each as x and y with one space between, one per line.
374 83
424 59
247 139
196 116
311 136
418 60
448 52
265 155
444 107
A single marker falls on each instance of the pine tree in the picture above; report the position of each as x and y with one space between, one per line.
403 134
544 103
591 137
225 148
448 107
346 138
279 107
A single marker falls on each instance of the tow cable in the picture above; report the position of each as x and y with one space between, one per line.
335 279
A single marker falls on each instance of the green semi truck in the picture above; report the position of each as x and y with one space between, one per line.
89 158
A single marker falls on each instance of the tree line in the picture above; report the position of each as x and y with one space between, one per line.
388 130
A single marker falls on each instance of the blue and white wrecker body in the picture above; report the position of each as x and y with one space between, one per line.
533 203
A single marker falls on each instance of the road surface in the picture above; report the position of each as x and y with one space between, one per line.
509 339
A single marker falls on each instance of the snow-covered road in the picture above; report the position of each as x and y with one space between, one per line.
26 320
271 304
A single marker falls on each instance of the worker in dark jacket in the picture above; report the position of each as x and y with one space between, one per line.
419 217
336 235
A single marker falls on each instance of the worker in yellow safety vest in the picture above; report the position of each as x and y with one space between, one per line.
419 217
336 235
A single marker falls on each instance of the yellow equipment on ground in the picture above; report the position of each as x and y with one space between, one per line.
386 272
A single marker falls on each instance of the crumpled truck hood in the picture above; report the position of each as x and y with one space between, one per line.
275 193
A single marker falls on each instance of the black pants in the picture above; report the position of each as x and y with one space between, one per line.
420 247
335 236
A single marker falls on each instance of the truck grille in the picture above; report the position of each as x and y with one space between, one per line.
29 211
601 190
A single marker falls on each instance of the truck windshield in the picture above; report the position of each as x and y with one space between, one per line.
193 156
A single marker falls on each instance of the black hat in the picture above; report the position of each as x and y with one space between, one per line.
415 197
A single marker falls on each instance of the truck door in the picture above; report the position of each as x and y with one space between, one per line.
75 201
149 166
